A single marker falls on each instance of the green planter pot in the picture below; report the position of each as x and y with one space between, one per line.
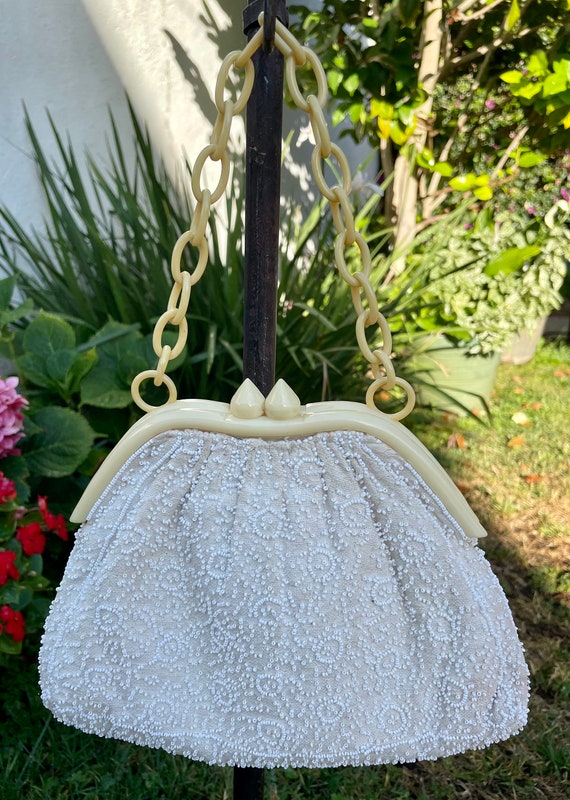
447 377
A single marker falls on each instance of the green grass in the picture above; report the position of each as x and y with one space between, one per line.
521 459
528 545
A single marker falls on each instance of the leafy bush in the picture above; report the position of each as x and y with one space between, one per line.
104 254
497 276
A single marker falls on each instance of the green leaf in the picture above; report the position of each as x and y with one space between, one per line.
36 613
381 109
483 193
48 334
121 356
351 83
531 159
48 346
36 563
16 469
95 458
25 596
355 112
538 64
527 89
104 388
7 286
425 159
334 79
397 134
561 66
463 183
512 76
555 83
337 115
511 260
513 16
407 115
63 443
444 168
481 180
58 364
9 594
82 366
9 646
33 368
12 314
7 529
35 583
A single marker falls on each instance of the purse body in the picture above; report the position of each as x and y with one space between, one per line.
305 601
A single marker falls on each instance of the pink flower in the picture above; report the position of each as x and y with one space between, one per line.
11 419
565 194
490 104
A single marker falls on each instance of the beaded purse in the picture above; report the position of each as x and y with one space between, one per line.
263 583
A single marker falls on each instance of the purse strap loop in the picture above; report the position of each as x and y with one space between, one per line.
363 295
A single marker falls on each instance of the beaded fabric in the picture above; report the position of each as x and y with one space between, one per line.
303 602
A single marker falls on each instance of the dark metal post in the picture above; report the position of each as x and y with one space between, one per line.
248 783
262 204
262 201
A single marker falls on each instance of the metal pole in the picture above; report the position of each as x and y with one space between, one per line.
262 201
262 204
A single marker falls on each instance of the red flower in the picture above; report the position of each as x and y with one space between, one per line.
60 528
32 539
53 522
7 567
15 623
7 489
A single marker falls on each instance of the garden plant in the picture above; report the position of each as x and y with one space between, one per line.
454 240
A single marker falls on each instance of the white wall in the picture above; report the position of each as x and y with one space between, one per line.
50 58
76 59
167 54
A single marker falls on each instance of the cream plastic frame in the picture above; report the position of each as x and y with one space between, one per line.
213 416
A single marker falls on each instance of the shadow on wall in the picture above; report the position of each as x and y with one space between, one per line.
224 40
297 152
192 74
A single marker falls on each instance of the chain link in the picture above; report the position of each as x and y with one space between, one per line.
296 57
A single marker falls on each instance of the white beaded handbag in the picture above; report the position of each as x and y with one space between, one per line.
263 583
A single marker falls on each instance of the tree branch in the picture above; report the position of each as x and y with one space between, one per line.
387 162
463 8
484 50
480 13
511 148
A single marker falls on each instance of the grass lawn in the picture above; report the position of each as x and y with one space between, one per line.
516 475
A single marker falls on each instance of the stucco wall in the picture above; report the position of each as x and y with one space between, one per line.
78 58
50 58
167 54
